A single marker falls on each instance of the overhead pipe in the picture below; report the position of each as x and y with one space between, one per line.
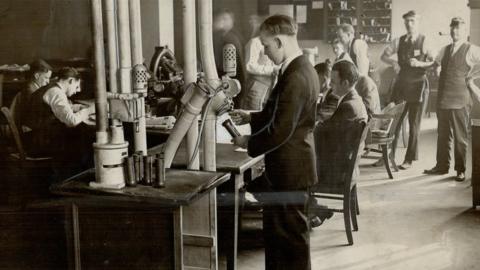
139 75
190 74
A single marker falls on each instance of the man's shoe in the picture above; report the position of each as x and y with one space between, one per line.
379 163
406 165
316 221
460 177
435 170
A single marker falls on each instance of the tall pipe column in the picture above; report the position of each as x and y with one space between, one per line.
125 71
101 89
190 73
140 133
117 126
208 60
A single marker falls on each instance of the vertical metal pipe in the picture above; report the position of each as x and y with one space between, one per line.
101 88
125 71
116 137
140 132
112 45
190 73
208 60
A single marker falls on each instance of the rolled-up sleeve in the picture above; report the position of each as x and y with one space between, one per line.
361 50
61 108
473 56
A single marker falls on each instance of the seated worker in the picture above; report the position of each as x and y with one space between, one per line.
38 76
53 119
366 86
328 102
350 108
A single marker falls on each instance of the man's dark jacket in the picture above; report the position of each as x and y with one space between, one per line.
283 131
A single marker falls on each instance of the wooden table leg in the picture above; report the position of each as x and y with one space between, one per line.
232 246
178 238
72 230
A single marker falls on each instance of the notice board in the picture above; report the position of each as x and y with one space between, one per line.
309 14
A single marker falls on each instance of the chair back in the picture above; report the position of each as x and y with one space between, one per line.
10 132
338 155
396 113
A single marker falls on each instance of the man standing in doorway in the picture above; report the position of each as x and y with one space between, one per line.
283 131
356 48
454 100
414 57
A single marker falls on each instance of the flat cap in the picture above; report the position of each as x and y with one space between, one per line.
456 21
411 13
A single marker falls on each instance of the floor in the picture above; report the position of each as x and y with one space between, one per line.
411 222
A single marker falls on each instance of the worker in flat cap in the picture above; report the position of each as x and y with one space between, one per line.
454 101
414 55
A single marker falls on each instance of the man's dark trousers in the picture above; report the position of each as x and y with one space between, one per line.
415 112
286 231
452 125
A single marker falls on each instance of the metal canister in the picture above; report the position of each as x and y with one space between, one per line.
131 179
148 168
159 181
138 167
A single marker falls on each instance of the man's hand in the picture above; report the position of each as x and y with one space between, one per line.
241 141
240 117
396 67
414 62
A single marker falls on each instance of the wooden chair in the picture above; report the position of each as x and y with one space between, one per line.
28 177
17 149
338 169
383 132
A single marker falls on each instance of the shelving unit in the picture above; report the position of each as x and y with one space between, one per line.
372 19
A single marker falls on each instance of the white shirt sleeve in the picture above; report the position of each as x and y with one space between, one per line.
473 56
254 51
61 108
361 50
428 49
392 47
439 58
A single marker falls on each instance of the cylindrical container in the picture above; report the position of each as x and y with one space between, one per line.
159 180
231 128
148 168
131 180
138 167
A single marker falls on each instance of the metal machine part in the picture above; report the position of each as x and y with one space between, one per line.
140 79
230 60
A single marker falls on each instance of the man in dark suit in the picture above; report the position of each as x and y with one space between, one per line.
331 133
283 131
350 109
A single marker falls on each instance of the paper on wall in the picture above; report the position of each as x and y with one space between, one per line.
301 14
281 9
317 4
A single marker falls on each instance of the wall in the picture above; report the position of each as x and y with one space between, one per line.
43 28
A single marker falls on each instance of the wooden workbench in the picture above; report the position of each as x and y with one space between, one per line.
239 164
183 192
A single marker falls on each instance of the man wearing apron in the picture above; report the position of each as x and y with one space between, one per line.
414 57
